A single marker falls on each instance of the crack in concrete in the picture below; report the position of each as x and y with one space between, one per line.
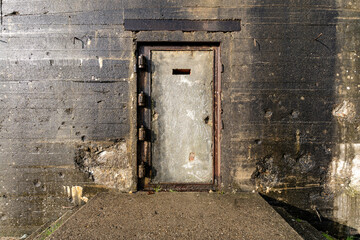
1 13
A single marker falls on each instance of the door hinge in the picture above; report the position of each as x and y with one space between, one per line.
141 62
142 133
141 171
141 99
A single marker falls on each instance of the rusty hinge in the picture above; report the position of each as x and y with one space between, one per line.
141 99
142 133
141 61
141 171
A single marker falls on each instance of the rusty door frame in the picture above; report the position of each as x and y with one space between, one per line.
144 115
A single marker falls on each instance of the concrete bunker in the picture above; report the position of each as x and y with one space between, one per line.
289 81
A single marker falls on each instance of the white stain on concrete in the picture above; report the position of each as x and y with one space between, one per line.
345 169
75 193
345 182
190 114
345 111
101 62
355 168
184 79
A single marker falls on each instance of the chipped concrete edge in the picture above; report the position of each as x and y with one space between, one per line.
274 212
45 231
302 227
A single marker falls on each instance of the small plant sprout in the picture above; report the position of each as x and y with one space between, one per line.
157 188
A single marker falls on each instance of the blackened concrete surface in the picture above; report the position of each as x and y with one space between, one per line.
176 216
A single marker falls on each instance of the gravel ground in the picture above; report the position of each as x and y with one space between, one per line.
176 216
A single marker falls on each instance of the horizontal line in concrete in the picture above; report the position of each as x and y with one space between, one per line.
182 25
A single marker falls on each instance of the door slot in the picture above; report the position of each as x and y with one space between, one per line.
181 71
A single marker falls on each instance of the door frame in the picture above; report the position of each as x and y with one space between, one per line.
144 114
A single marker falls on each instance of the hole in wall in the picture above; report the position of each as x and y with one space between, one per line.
206 120
37 183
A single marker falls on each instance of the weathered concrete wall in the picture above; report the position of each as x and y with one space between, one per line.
65 88
344 174
288 96
302 130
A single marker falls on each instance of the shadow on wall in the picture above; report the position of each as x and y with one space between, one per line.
321 223
293 79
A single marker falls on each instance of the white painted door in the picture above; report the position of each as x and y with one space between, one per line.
182 116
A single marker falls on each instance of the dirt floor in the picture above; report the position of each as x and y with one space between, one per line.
176 216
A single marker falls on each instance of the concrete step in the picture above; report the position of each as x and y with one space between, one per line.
174 215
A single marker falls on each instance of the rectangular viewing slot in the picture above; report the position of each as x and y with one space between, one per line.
181 71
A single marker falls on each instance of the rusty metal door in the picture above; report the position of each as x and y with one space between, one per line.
177 117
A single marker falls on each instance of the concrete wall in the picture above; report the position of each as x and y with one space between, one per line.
289 101
65 92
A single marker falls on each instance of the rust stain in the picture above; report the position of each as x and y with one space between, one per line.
191 156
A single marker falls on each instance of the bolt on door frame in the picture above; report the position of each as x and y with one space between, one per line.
145 115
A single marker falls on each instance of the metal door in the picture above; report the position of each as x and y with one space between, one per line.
177 117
